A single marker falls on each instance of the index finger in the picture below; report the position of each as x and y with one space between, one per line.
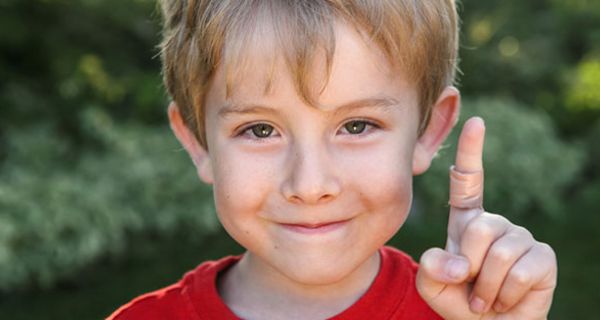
466 176
470 146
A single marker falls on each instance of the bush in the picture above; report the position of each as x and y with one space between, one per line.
527 167
61 209
593 165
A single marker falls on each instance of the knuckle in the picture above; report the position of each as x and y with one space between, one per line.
424 260
481 228
495 218
514 237
502 254
520 237
429 257
547 250
520 277
522 232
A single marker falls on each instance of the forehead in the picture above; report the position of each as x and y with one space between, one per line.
357 68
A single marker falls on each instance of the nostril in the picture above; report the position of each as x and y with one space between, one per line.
326 198
310 180
308 199
295 199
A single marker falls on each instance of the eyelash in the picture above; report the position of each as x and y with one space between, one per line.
369 126
248 130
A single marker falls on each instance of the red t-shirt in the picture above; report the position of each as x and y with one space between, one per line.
392 295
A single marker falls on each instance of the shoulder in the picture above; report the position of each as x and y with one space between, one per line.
176 301
152 305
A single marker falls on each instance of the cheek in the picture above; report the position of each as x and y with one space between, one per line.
242 185
382 166
383 177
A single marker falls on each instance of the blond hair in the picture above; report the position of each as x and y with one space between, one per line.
418 36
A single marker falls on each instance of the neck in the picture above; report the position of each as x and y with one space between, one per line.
255 290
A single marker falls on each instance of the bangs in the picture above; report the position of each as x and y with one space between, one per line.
267 31
417 37
299 32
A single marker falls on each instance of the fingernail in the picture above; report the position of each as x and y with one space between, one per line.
456 268
477 305
480 119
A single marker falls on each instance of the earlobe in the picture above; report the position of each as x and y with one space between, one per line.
444 115
421 160
189 142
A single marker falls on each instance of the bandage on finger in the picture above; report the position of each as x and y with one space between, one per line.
466 189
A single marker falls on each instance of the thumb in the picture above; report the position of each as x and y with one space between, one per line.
439 268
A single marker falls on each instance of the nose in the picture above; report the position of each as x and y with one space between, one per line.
311 177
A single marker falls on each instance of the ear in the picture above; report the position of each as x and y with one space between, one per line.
444 115
189 142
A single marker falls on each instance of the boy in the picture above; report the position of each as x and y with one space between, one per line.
310 119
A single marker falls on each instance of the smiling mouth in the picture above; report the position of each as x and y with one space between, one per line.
315 228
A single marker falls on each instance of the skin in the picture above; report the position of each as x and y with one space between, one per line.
273 193
490 268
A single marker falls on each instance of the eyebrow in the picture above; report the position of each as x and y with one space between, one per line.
378 102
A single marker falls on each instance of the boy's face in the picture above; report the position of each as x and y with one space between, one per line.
313 192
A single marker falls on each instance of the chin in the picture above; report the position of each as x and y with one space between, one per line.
325 270
315 277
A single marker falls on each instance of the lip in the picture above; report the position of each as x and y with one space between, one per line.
318 228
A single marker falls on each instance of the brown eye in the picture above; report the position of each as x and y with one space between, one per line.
262 130
355 127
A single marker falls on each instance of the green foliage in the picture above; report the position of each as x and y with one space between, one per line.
585 90
60 210
57 56
528 51
593 151
528 168
76 187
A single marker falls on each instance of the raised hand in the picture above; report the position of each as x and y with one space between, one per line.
490 268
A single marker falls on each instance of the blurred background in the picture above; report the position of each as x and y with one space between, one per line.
99 204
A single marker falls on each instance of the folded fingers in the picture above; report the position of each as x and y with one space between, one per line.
477 238
531 281
499 260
